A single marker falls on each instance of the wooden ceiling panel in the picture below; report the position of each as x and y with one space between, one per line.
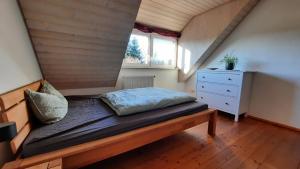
173 14
80 43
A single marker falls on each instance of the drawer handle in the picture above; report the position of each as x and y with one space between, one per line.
229 79
202 87
227 90
201 97
203 77
227 103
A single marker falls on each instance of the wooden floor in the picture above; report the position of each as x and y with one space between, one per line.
248 144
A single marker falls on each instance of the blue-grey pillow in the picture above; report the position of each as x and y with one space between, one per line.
49 105
130 101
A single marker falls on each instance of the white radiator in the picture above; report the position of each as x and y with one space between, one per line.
130 82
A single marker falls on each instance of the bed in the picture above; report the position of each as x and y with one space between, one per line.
101 134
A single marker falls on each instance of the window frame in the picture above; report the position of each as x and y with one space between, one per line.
150 52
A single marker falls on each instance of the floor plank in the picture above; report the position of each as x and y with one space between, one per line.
249 144
285 155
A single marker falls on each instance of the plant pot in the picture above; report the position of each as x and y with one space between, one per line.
229 66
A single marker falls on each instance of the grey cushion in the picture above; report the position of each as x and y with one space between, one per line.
49 105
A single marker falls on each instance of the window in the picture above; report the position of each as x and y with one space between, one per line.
150 50
137 52
164 52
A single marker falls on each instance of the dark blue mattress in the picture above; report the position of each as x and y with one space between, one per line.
90 119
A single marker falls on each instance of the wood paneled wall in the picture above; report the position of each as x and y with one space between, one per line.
80 43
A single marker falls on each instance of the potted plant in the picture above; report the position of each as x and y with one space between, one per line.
230 61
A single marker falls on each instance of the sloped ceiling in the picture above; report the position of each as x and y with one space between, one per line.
173 14
80 43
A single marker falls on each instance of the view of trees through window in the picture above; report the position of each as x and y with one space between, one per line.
133 50
161 52
137 50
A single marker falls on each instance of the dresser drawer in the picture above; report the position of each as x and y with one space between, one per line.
226 78
227 104
227 90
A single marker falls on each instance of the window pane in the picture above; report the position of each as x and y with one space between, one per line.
164 52
137 50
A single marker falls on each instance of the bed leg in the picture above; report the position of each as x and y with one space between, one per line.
212 123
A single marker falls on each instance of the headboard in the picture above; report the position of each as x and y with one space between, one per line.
13 108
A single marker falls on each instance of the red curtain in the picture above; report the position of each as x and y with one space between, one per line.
161 31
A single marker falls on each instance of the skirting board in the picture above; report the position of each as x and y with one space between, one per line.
275 123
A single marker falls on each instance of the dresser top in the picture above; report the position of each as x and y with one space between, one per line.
223 71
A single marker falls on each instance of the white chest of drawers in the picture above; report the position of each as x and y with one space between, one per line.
228 91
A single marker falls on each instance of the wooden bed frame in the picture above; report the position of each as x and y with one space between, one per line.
13 108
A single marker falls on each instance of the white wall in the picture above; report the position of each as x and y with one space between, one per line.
203 30
268 42
165 78
18 65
